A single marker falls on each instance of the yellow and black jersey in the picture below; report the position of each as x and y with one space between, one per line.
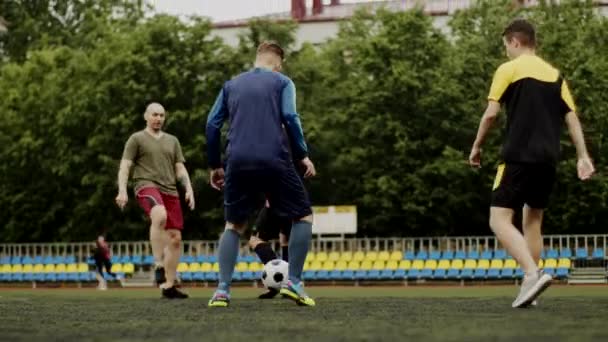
536 99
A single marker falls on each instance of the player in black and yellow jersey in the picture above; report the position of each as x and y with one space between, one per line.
537 102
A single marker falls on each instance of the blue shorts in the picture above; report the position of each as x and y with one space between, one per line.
244 191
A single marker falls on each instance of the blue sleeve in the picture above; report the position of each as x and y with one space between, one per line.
292 123
215 121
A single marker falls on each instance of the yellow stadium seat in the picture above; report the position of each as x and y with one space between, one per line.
540 263
483 264
18 268
496 263
457 264
341 265
39 268
182 267
82 268
379 265
366 265
550 263
206 267
241 266
255 266
6 268
392 265
359 256
354 265
321 256
510 263
316 265
396 255
117 268
329 266
60 268
215 267
307 266
564 263
50 268
470 263
72 268
384 256
193 267
443 265
371 256
333 256
430 264
418 264
28 268
405 264
129 268
346 256
310 257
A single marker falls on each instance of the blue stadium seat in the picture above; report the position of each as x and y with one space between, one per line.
399 274
435 255
28 276
361 274
310 275
551 254
500 254
52 277
198 276
115 259
413 274
27 260
38 259
550 271
248 275
348 275
186 276
409 255
422 255
453 273
460 255
249 258
17 277
39 277
335 275
440 274
16 260
148 260
60 259
386 274
137 260
237 276
479 273
565 253
211 276
519 273
447 255
62 276
598 253
5 277
561 273
125 259
212 259
426 273
70 259
507 273
473 255
466 273
581 253
493 273
486 255
323 275
201 258
72 277
90 261
5 260
85 276
373 274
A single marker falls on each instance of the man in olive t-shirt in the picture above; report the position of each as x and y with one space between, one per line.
158 163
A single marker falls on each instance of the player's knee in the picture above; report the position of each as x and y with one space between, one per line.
237 227
158 215
175 238
306 218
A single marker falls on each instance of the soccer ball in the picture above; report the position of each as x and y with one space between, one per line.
275 274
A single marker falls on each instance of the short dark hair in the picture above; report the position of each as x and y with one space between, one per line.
523 31
273 47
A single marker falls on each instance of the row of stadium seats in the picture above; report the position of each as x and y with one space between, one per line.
60 273
359 256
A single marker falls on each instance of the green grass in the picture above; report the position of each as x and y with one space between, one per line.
566 313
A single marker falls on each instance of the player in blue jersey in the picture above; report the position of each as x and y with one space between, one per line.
258 104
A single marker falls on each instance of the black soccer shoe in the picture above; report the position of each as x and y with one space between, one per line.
159 276
269 295
173 293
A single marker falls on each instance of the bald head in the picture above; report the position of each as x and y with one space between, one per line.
155 116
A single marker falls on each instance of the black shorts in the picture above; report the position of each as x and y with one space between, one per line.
100 263
517 184
268 225
281 186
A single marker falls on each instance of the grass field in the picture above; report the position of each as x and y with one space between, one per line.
566 313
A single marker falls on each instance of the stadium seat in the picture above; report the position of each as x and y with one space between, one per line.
562 272
128 268
409 255
447 255
27 260
347 275
598 253
37 259
422 255
493 273
359 256
61 268
479 273
486 255
440 273
443 264
201 258
341 265
386 274
392 265
212 259
321 256
405 265
549 270
510 263
49 268
417 265
256 267
564 263
186 276
551 254
565 253
59 259
384 256
435 255
500 254
496 263
5 260
550 263
581 253
206 267
473 255
460 255
453 273
396 255
334 256
240 266
457 264
315 265
371 256
354 265
16 260
148 260
117 268
507 273
346 256
483 264
373 274
70 259
82 268
115 259
519 273
466 273
541 263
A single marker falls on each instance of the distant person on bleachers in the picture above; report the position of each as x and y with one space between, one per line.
102 256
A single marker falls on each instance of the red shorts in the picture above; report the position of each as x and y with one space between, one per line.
149 197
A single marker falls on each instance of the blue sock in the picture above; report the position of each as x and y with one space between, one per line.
301 233
228 251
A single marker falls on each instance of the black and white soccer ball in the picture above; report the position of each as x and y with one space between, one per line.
275 274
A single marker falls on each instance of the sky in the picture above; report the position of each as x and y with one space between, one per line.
224 10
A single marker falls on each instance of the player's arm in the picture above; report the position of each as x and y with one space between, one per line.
184 179
293 126
215 121
584 165
123 178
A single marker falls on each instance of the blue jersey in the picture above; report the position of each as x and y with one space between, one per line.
257 103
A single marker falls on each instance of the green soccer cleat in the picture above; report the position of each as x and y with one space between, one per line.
296 293
220 299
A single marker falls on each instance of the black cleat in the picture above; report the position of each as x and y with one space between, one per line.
159 276
173 293
269 295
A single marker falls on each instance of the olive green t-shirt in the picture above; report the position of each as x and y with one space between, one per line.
154 160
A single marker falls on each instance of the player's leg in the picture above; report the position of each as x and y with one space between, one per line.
284 242
101 282
108 266
173 247
151 201
265 231
532 222
508 195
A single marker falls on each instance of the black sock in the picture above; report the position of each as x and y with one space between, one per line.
285 253
265 252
